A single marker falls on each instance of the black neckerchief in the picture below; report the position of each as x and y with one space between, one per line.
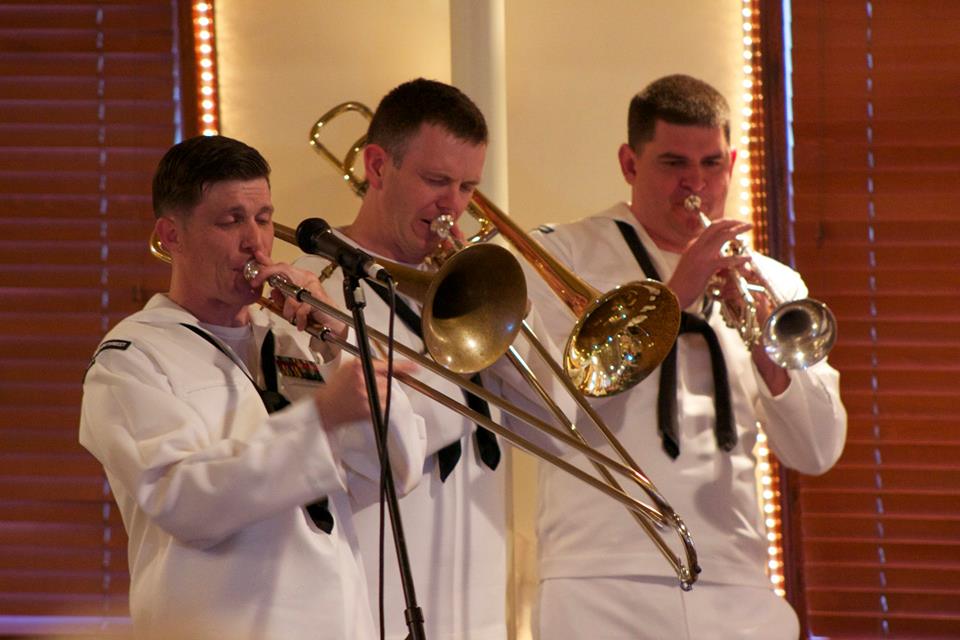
724 431
448 456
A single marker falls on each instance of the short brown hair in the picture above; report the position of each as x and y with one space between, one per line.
189 167
677 99
412 104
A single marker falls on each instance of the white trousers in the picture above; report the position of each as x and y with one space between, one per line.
633 608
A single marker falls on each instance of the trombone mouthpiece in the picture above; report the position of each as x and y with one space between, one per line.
251 270
442 225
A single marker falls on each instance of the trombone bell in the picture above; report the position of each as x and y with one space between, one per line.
620 338
473 308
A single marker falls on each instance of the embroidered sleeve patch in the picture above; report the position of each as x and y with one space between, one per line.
120 345
297 368
112 344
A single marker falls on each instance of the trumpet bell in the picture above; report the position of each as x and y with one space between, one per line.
800 333
472 307
621 338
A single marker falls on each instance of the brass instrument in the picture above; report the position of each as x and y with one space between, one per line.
619 338
797 333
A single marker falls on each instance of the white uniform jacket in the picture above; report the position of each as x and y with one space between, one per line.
583 534
454 529
211 488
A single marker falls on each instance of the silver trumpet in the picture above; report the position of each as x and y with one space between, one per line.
797 333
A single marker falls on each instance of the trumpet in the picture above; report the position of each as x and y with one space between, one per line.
797 334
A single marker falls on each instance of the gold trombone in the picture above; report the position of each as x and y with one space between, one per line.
619 338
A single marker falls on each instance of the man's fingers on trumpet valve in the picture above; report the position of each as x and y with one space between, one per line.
704 258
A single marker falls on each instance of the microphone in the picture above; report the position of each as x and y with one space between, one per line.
315 236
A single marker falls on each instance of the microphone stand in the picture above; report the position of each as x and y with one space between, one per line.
355 301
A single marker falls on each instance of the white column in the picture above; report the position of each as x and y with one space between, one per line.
478 68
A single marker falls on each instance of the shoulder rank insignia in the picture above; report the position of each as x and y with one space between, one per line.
298 368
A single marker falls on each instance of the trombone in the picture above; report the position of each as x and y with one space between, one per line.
619 338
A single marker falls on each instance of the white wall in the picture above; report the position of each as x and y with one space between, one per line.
572 68
283 64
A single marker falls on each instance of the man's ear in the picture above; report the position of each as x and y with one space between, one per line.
167 231
733 160
375 159
628 162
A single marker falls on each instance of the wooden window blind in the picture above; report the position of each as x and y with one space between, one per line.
876 175
89 101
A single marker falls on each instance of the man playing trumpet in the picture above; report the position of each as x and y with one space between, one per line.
692 425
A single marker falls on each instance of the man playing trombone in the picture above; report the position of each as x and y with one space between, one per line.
423 159
691 425
230 461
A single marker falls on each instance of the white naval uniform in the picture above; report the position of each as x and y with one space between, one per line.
590 545
211 488
454 529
